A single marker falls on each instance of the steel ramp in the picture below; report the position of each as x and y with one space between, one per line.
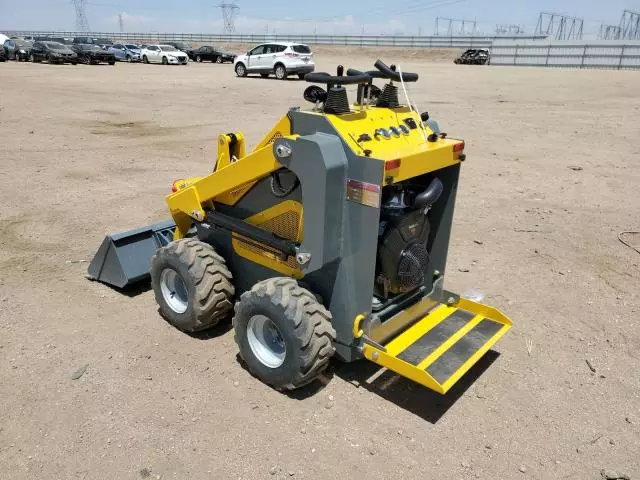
440 348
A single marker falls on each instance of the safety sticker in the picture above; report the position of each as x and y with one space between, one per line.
364 193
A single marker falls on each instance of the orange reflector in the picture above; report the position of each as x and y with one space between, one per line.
392 164
458 147
174 187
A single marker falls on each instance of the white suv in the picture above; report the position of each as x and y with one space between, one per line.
281 59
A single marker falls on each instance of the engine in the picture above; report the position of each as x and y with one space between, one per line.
403 256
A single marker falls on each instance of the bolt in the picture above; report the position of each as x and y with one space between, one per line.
451 301
375 355
283 151
436 273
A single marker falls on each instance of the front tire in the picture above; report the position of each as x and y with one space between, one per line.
145 59
301 76
129 59
165 61
218 59
280 72
241 70
198 59
284 334
192 285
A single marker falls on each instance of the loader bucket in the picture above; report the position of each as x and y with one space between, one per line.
123 259
440 348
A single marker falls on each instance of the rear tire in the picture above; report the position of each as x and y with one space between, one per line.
284 334
145 59
199 59
192 285
241 70
280 72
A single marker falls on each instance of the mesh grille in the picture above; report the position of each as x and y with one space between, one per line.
412 265
284 225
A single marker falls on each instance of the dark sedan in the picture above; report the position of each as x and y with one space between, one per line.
211 54
17 49
93 54
53 52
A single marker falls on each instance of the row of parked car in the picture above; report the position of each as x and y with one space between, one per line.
280 59
93 50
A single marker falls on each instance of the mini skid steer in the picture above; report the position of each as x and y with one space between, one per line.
329 239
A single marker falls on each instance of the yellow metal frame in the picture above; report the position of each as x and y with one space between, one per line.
388 357
416 155
266 257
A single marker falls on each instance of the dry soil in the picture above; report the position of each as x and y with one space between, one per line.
551 178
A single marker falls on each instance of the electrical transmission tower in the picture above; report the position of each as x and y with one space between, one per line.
630 25
82 24
120 22
229 12
609 32
455 26
559 27
509 30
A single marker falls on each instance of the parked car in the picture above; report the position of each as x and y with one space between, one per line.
103 43
126 52
53 52
165 54
182 46
17 49
93 54
473 56
212 54
62 40
281 59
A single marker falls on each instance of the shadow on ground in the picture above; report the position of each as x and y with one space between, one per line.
406 394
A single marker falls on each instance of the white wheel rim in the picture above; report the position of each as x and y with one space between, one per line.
265 341
174 290
280 72
240 70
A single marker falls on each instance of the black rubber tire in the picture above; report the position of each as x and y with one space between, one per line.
280 71
111 62
207 280
165 61
145 59
198 59
301 76
264 75
218 59
305 327
243 72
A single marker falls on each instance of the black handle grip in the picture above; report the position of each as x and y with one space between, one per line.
322 77
406 76
372 73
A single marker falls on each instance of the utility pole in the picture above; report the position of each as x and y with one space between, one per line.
120 22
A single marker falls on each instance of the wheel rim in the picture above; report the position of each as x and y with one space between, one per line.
279 72
198 58
240 70
128 59
265 341
218 60
174 290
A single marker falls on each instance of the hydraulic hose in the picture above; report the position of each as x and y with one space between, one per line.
430 195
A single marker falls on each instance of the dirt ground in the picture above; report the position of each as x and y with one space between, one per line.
550 180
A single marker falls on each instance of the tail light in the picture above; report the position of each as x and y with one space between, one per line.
392 164
458 147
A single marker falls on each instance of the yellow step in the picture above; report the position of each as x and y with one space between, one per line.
441 347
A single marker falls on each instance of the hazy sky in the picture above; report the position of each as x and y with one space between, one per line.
287 16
